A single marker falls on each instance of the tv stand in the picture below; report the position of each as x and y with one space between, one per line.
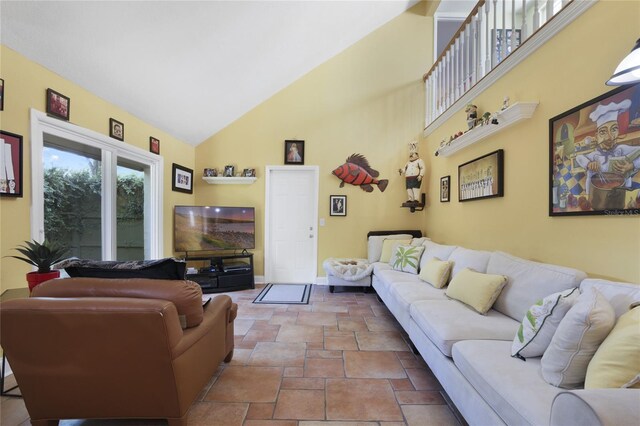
226 272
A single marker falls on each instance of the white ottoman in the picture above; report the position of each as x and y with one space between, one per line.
348 273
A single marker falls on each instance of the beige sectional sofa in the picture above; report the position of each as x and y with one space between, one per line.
470 353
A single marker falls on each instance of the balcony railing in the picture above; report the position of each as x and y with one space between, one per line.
493 31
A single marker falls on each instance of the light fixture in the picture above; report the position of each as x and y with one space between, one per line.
628 72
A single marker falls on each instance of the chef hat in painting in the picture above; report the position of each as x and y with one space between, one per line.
413 147
605 113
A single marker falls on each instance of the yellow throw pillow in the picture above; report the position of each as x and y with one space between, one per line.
616 363
388 246
477 290
436 272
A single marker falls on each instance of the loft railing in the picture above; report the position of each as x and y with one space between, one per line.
493 31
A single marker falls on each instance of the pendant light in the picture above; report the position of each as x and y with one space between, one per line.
628 72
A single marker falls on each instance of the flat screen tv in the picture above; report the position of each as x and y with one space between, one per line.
204 228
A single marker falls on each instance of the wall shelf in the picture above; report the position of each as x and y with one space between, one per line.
515 113
220 180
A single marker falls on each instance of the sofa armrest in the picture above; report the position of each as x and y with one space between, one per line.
596 407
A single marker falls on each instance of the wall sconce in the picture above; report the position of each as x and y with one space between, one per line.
628 72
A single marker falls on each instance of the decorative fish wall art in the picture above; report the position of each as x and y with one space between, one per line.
357 171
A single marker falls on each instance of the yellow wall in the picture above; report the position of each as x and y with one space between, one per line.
25 86
369 100
567 71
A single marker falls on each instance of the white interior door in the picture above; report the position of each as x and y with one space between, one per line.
291 217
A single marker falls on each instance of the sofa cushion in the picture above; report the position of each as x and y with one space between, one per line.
374 244
389 246
436 272
401 295
513 388
475 289
620 295
406 258
528 282
576 340
540 323
391 276
446 322
616 363
185 295
473 259
435 250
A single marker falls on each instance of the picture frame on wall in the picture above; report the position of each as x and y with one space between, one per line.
445 189
1 94
154 145
116 129
58 105
482 177
10 164
594 156
181 179
337 205
294 152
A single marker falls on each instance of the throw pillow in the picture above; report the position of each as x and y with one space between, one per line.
477 290
540 323
584 327
388 248
374 245
406 258
436 272
616 363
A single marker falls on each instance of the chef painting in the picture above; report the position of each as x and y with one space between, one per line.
413 171
612 165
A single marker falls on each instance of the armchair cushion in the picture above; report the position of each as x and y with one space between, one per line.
186 295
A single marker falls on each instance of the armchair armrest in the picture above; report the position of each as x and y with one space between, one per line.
596 407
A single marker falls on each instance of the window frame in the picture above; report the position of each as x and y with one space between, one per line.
111 150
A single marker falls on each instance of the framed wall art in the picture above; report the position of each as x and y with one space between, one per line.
154 145
1 94
445 185
482 177
594 156
294 152
181 179
116 129
337 205
58 105
10 164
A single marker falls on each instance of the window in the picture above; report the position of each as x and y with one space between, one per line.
101 198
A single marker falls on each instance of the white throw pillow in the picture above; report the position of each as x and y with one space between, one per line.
540 323
374 245
406 258
581 331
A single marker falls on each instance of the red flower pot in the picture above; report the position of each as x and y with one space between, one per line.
35 278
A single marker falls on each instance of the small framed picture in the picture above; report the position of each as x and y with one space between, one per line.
229 171
154 145
209 172
116 129
249 173
337 205
181 179
294 152
1 94
58 105
445 184
10 164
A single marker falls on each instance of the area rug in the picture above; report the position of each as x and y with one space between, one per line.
287 294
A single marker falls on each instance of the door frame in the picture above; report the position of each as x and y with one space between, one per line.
267 216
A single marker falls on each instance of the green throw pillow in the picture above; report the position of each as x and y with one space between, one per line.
406 258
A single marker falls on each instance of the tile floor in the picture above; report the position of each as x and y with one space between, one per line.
342 360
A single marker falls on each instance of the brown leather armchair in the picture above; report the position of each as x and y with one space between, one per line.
84 348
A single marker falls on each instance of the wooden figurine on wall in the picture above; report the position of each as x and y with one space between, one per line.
357 171
472 115
413 171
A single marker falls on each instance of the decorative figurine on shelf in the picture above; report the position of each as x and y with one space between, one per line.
486 118
494 118
505 103
414 172
472 115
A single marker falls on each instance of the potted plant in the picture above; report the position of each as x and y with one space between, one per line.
43 256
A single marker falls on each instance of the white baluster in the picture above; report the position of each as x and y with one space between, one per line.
447 74
456 68
474 50
463 86
494 36
536 16
487 61
549 10
479 44
523 26
467 58
503 41
513 26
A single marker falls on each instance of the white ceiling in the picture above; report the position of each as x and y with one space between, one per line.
189 68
